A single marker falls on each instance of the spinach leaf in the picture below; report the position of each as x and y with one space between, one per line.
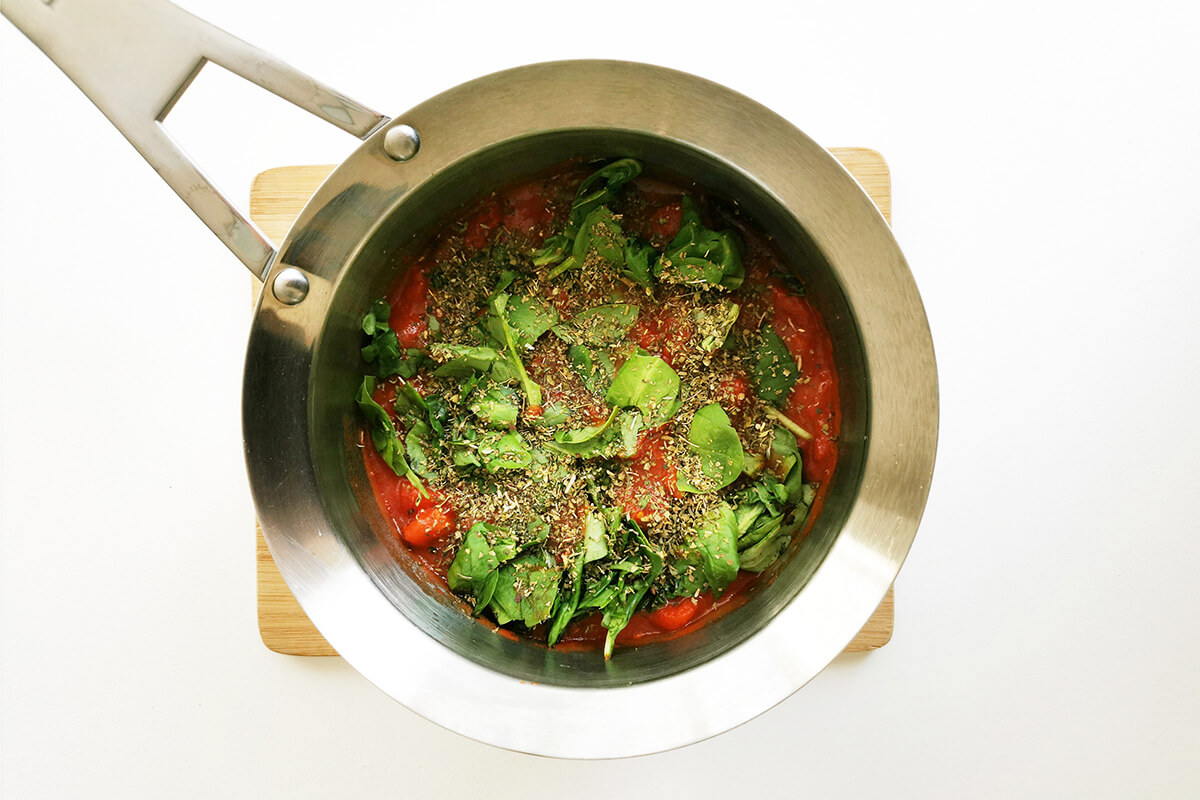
590 441
383 433
698 256
600 325
713 324
714 542
598 189
462 361
376 319
497 308
567 602
638 574
720 451
775 371
554 414
595 537
601 234
772 540
526 589
594 367
415 449
497 407
411 405
647 383
527 318
786 464
639 258
629 425
504 451
474 560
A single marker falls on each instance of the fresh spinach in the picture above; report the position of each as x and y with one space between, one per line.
601 325
383 433
504 451
594 367
638 572
526 318
775 371
498 309
462 361
714 545
585 442
497 406
649 384
567 603
701 257
526 589
639 261
713 324
598 189
719 449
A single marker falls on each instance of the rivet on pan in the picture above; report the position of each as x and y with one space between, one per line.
401 142
290 286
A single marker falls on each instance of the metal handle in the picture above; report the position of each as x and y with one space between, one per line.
135 58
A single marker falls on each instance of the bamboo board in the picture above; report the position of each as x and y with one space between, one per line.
276 198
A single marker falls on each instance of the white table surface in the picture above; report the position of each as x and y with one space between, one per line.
1046 165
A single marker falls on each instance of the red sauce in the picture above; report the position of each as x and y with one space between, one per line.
523 213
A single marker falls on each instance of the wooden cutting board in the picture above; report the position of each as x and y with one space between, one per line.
276 199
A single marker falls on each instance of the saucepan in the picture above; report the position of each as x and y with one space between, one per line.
135 58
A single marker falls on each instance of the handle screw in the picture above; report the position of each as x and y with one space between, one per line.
290 286
401 142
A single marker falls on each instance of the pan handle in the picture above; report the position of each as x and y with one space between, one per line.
135 58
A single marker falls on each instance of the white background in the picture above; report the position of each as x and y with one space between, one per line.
1046 162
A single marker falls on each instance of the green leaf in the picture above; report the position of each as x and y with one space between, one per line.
699 256
554 414
775 371
598 189
639 258
504 451
786 463
772 540
585 442
461 361
629 424
383 433
497 407
567 602
473 561
631 587
526 317
525 590
595 537
647 383
714 543
498 309
594 367
713 324
377 318
720 453
415 449
601 325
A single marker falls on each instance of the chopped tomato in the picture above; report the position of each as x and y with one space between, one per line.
675 614
664 223
651 482
733 392
662 332
429 525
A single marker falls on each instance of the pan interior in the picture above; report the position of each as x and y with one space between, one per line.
338 369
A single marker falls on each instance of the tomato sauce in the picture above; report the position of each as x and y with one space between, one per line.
524 214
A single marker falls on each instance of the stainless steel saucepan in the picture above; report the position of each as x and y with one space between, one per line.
135 58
